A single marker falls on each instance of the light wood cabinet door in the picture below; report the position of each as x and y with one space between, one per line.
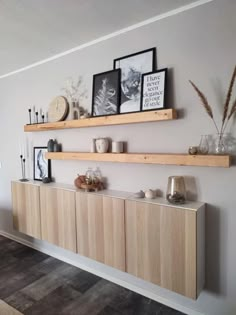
58 217
26 211
161 246
100 228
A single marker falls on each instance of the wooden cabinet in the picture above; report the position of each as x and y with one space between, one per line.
26 211
165 245
100 228
58 216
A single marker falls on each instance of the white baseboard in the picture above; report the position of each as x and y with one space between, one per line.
101 274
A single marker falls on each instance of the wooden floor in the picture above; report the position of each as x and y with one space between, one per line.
34 283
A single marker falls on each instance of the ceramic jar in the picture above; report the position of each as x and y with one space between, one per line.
102 145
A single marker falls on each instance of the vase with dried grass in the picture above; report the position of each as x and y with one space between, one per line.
228 113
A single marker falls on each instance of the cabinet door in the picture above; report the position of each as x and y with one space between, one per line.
58 217
100 228
26 212
161 245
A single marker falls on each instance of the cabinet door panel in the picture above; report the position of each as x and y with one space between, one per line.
26 211
100 228
161 245
58 217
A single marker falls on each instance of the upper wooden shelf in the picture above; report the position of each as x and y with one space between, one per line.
146 158
122 119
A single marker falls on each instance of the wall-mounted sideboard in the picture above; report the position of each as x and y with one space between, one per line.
151 239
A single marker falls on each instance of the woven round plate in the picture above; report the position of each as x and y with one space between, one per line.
58 109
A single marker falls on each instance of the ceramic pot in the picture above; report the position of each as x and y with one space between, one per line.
150 194
102 145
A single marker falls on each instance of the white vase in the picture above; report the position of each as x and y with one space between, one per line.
102 145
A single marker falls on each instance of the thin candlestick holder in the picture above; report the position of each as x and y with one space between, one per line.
30 122
22 160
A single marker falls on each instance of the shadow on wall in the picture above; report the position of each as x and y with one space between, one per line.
215 248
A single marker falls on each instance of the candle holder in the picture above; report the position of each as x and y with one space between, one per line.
42 116
36 115
22 160
30 122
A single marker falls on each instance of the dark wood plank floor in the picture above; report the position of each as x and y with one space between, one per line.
35 283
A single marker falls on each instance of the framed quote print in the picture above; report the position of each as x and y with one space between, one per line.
153 91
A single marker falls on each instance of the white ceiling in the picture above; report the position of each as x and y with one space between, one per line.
32 30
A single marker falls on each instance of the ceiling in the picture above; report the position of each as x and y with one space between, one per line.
32 30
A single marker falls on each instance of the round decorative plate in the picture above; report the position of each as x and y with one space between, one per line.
58 109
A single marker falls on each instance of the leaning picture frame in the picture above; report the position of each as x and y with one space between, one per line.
42 166
106 93
132 67
153 91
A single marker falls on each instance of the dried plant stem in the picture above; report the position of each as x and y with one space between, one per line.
227 101
233 110
205 103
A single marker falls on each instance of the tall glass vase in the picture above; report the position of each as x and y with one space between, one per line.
220 144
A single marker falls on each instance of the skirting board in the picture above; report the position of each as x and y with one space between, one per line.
103 275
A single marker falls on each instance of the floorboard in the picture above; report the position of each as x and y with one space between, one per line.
33 283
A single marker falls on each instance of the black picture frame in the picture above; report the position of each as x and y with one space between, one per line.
132 67
42 166
153 97
106 93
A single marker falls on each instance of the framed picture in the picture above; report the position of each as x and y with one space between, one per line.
154 90
106 93
42 166
132 67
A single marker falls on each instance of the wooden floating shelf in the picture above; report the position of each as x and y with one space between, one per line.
122 119
146 158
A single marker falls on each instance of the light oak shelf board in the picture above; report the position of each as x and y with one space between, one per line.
122 119
146 158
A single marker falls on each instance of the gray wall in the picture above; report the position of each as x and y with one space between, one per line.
198 44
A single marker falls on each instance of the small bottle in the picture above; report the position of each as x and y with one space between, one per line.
89 176
203 146
97 176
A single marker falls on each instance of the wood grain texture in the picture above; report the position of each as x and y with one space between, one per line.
100 228
161 246
146 158
26 209
131 118
200 249
58 217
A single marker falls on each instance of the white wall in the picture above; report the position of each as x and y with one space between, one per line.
198 44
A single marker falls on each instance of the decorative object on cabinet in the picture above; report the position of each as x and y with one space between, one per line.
22 162
117 147
46 180
193 150
102 145
176 192
42 166
58 109
203 147
227 113
139 194
132 67
146 158
88 184
153 90
150 194
106 93
122 119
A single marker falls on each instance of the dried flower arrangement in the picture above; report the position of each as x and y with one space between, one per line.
226 113
75 91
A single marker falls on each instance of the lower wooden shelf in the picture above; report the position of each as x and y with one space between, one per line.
146 158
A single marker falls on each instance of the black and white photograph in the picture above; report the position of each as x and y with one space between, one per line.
154 90
132 67
41 164
106 93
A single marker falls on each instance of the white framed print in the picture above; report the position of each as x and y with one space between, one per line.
153 92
